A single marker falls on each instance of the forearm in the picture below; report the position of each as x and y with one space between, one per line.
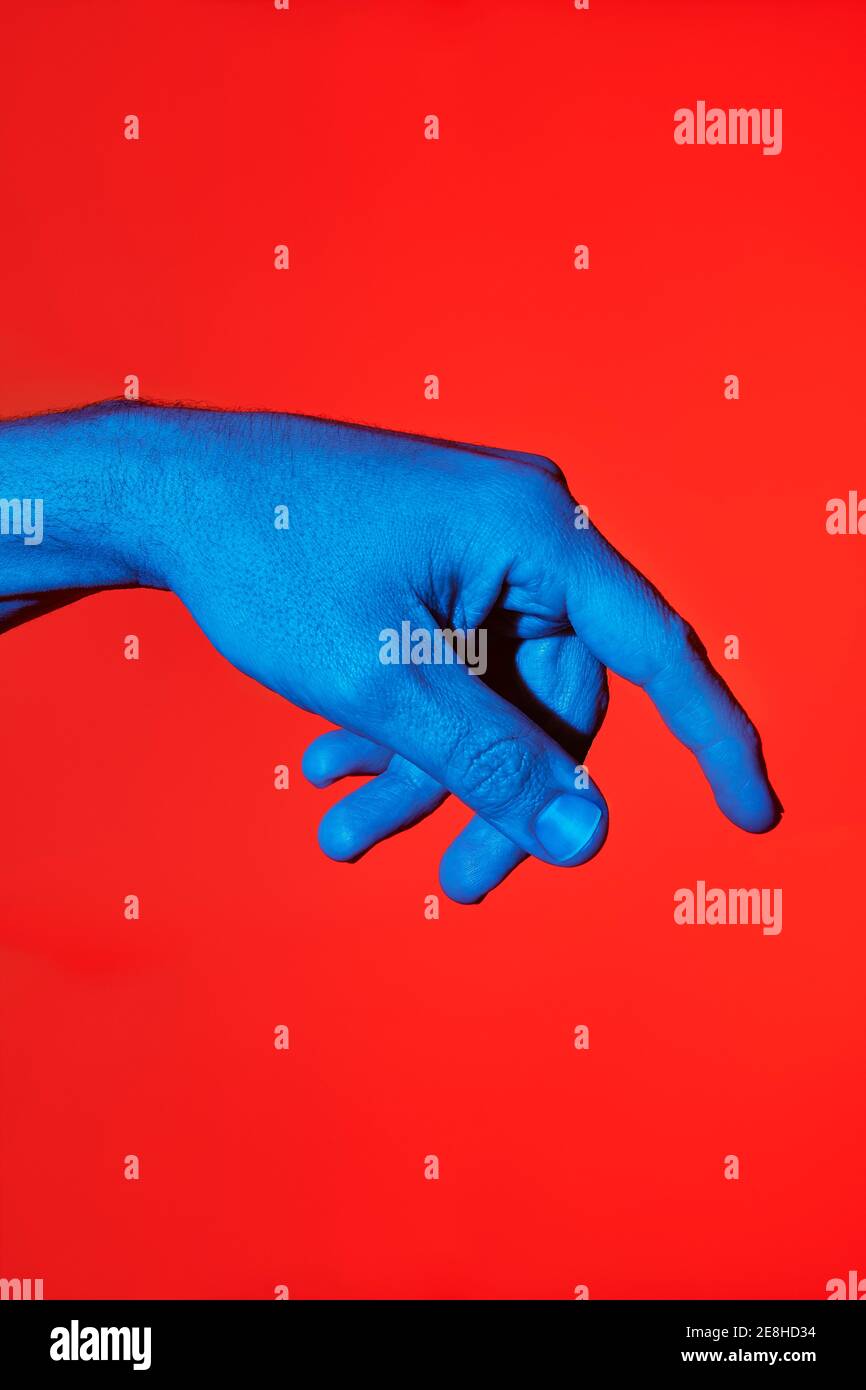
65 487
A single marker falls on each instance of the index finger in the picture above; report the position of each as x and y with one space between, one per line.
630 627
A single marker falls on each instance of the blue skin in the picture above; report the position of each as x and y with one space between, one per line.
385 528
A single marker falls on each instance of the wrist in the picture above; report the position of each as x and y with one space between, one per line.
80 492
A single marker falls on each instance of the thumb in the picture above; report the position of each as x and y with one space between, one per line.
493 757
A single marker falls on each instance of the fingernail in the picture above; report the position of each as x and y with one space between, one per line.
567 825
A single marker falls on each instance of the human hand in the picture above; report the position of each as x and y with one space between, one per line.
389 529
387 534
555 680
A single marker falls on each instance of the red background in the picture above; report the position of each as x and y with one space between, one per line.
455 1037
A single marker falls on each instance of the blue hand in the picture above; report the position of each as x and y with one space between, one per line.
555 679
388 534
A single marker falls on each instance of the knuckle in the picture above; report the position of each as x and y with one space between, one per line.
545 484
549 467
681 640
534 503
751 738
550 502
495 773
602 699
